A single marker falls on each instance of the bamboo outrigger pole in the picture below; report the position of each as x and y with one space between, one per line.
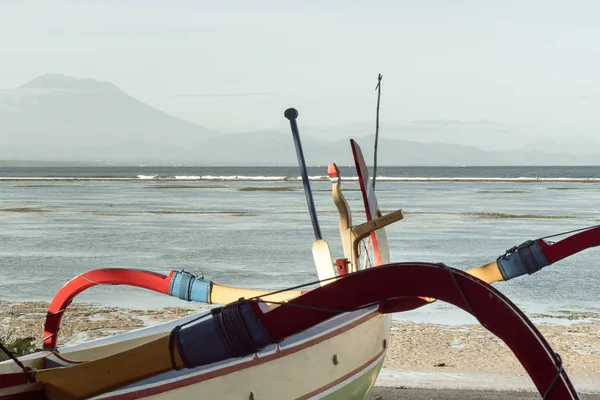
378 88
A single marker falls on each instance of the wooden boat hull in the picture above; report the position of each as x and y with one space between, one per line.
338 359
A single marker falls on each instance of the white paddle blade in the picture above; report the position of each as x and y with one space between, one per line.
323 261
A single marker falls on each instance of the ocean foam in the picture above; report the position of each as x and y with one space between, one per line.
299 178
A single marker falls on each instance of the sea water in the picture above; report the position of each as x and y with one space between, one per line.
249 227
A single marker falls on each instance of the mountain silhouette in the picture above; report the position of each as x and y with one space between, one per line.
55 117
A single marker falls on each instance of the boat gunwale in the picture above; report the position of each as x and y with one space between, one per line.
182 378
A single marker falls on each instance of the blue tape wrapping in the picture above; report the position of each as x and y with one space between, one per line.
189 287
527 258
235 331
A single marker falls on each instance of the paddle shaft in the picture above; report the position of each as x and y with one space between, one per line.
292 115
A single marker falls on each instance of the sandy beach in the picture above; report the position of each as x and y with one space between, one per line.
470 357
424 361
390 393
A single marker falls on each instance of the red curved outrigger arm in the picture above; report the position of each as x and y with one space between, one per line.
571 245
553 252
388 283
108 276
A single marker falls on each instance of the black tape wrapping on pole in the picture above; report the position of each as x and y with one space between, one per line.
292 114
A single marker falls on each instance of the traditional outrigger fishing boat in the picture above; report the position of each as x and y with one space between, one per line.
328 342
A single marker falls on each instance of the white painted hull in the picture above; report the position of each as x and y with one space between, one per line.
301 367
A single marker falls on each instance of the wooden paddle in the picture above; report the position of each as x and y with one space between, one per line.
320 248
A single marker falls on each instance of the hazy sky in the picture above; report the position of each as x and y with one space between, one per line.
532 66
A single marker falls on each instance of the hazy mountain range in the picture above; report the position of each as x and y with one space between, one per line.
59 118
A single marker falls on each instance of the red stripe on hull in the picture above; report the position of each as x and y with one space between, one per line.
13 379
243 365
343 378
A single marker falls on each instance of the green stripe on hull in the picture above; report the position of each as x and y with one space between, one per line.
357 389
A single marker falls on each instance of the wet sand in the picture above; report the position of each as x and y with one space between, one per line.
81 322
385 393
424 361
470 357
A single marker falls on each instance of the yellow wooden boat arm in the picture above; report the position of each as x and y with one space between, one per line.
221 294
533 255
489 273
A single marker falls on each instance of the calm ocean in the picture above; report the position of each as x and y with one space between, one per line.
248 226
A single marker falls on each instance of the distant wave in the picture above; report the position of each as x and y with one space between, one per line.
230 178
485 179
298 178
